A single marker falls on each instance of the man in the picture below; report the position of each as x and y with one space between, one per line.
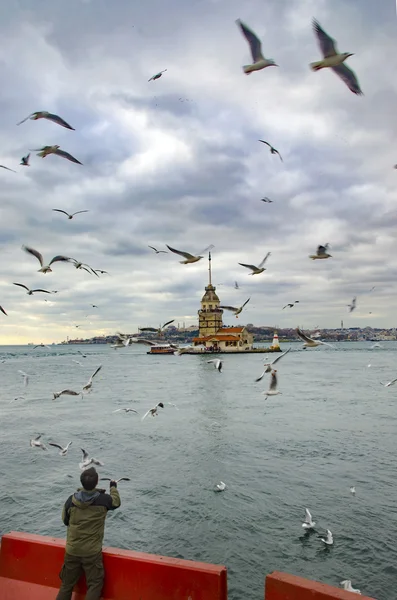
84 515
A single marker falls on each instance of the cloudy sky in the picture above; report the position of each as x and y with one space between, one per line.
177 161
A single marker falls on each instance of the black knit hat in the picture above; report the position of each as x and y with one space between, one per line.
89 479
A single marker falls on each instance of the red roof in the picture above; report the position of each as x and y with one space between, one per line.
230 330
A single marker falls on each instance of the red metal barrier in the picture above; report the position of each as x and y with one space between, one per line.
281 586
30 565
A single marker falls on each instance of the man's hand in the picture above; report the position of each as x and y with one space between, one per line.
113 483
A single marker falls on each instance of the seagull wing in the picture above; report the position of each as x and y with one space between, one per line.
185 254
143 341
264 260
34 253
68 393
153 248
105 479
303 336
124 479
21 285
85 454
3 311
40 290
254 42
167 323
246 302
58 121
326 344
61 211
327 44
308 516
55 445
60 258
252 267
146 414
267 143
80 211
232 308
68 156
280 356
152 329
207 249
27 118
261 377
349 78
96 371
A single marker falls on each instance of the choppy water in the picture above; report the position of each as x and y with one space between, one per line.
333 427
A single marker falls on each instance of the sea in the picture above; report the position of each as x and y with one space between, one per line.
333 426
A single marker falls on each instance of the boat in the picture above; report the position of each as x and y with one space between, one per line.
162 349
30 566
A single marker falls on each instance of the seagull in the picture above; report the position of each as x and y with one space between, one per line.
46 150
41 346
116 480
220 487
77 362
236 286
101 272
347 585
376 346
25 377
84 266
259 61
308 523
43 114
322 252
86 462
3 311
158 251
126 410
17 398
7 169
309 342
389 383
83 355
269 365
329 539
157 76
31 292
159 331
65 393
88 386
172 404
190 258
63 451
257 270
272 391
291 304
334 60
25 161
267 199
70 216
217 364
352 306
353 490
272 150
236 311
47 268
153 411
35 442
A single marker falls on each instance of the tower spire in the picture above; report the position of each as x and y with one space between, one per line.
209 268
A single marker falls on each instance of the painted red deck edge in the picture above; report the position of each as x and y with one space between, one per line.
281 586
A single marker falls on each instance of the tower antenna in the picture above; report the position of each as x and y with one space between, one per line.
209 267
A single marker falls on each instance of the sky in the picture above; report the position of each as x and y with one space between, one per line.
177 161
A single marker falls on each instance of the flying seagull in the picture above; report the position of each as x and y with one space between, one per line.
84 266
334 60
7 169
308 523
158 251
329 540
272 150
116 480
142 341
217 364
266 199
236 286
389 383
159 331
259 61
190 258
25 377
31 292
322 252
270 365
41 346
86 461
101 272
65 393
352 306
153 411
353 490
63 451
47 268
259 269
309 342
127 410
237 310
46 150
291 304
347 585
70 216
43 114
36 443
88 386
157 76
272 391
25 161
3 311
220 487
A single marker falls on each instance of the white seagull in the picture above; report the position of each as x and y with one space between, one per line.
353 305
190 258
157 76
309 342
36 443
41 346
270 365
25 377
272 391
87 462
217 364
153 411
353 490
158 251
347 585
308 522
69 216
65 393
44 268
220 487
259 269
127 410
63 451
44 114
334 60
236 310
389 383
322 252
88 386
29 291
329 540
259 61
116 480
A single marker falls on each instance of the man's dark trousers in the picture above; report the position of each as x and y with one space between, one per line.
72 570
